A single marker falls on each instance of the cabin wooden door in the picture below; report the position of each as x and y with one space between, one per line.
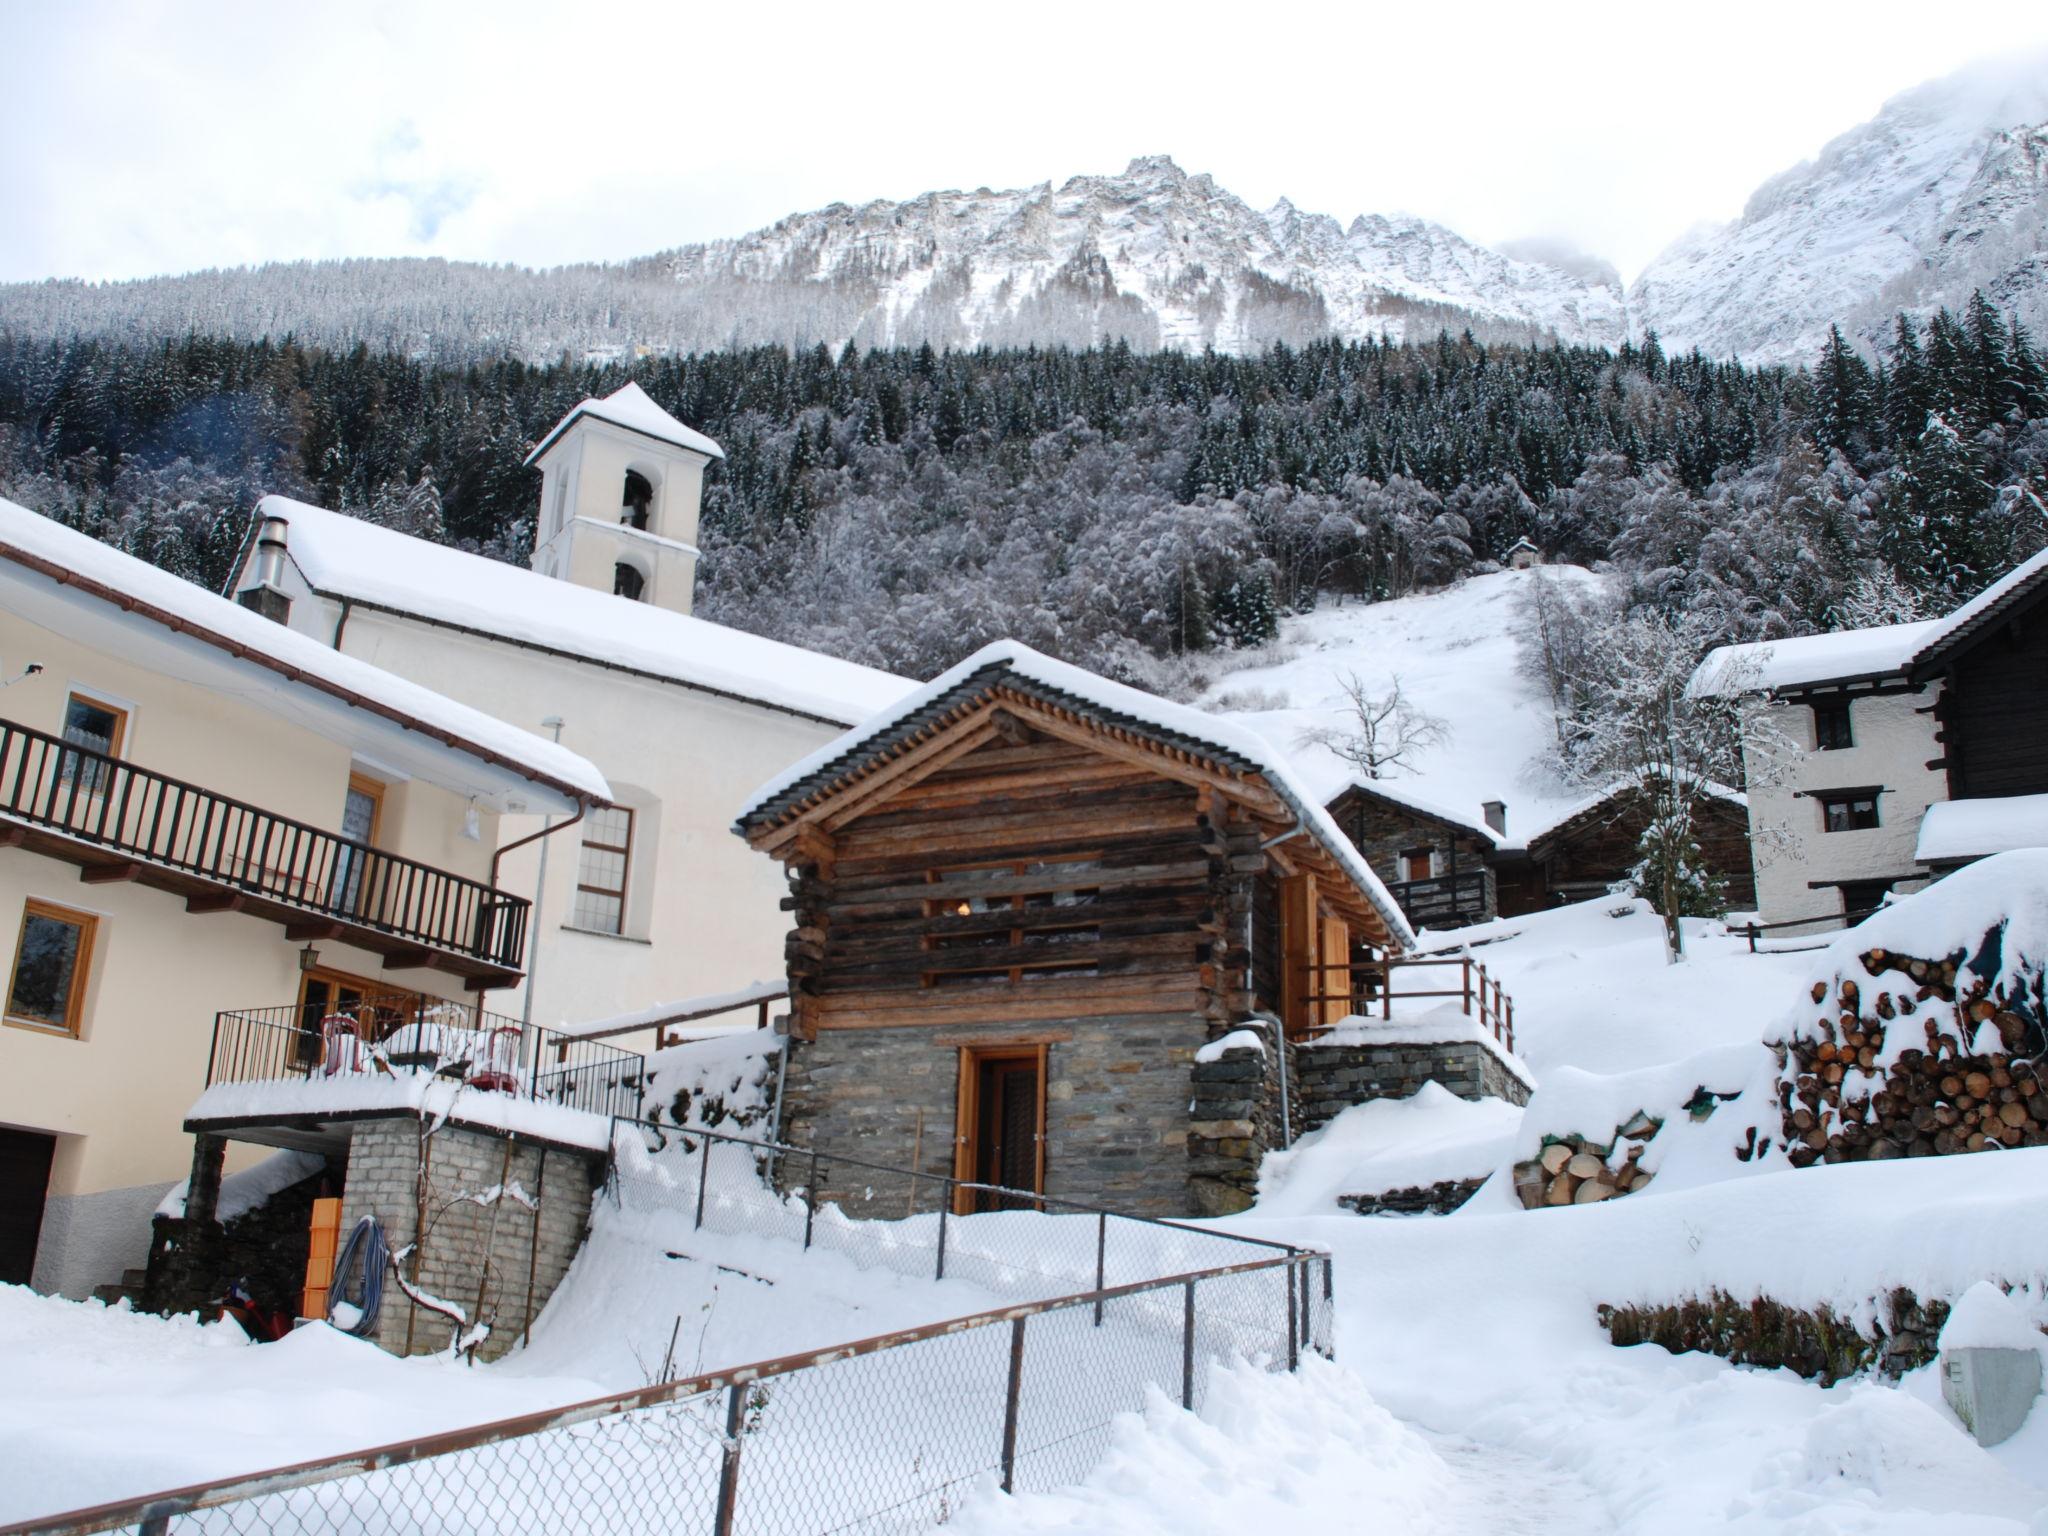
1001 1121
24 1185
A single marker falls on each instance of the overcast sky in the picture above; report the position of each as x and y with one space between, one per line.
140 137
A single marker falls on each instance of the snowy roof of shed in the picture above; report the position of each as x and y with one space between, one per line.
1973 829
133 589
345 557
634 409
1012 664
1394 794
1847 655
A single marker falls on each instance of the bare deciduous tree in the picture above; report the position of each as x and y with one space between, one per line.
1380 731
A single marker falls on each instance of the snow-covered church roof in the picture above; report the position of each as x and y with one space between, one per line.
344 557
1177 725
205 638
634 409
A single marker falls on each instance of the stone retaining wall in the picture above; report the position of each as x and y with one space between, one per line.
1332 1078
1438 1199
1234 1119
497 1262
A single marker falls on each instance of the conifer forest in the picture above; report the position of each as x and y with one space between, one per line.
1115 507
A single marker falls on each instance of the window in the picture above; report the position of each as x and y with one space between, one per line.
637 501
627 581
50 964
1849 810
361 809
1862 897
1418 863
1831 731
98 728
601 872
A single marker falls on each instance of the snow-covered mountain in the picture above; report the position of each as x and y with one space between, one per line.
1151 254
1943 192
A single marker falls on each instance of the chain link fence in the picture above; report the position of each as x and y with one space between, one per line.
888 1434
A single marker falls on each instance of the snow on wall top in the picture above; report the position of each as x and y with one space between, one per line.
1970 829
302 660
346 557
1763 665
1984 1317
1114 698
634 409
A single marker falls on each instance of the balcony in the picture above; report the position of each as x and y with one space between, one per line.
287 1076
1447 901
120 822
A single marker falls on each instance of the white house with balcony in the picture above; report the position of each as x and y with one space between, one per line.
650 899
201 811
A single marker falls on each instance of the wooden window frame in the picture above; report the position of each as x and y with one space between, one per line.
625 853
967 1111
1833 710
363 784
1849 798
121 714
88 924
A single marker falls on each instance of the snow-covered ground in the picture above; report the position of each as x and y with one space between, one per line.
1454 652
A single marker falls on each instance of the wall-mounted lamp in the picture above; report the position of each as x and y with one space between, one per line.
26 672
309 958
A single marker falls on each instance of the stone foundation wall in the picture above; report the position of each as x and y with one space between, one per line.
1234 1119
1332 1078
1811 1341
1422 1200
1116 1109
498 1262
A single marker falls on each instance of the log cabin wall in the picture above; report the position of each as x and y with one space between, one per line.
1030 894
1384 832
1994 710
1581 859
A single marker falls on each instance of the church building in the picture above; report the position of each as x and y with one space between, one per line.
596 647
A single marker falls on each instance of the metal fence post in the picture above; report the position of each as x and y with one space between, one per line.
729 1462
1010 1406
1101 1244
944 1207
1293 1323
1187 1347
810 1199
703 1179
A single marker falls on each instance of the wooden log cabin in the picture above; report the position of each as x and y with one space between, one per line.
1024 899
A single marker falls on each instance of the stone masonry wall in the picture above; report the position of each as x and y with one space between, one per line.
1332 1078
1233 1120
497 1260
1116 1114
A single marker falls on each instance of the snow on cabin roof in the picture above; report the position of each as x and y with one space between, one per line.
83 564
1592 803
342 556
1178 724
1987 607
634 409
1394 793
1845 655
1975 829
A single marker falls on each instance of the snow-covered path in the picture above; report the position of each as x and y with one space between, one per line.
1503 1493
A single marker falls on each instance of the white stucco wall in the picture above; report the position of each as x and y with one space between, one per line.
1894 742
116 1095
703 909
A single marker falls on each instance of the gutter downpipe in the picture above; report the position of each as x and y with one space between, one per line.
1280 1034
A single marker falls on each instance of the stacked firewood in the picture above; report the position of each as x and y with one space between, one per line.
1578 1170
1970 1081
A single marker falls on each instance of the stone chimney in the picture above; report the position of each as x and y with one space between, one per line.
1496 812
268 596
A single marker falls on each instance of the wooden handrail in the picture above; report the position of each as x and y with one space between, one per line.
141 816
1479 993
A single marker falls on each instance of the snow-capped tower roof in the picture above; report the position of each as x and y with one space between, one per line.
634 409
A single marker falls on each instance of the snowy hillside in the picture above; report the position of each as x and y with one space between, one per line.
1943 192
1455 654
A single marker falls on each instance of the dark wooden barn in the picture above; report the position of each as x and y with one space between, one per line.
1437 865
1024 900
1991 658
1579 856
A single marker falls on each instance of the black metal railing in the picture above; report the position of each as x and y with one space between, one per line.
133 814
1446 900
411 1034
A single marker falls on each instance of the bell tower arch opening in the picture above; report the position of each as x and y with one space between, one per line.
637 502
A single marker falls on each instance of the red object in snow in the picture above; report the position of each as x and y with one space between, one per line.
497 1068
